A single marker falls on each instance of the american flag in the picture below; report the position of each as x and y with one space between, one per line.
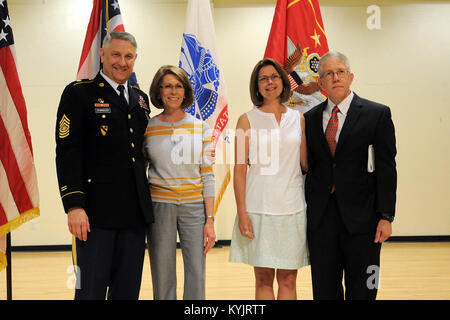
19 197
105 17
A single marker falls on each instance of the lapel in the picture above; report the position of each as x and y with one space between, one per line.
108 93
318 128
352 117
133 98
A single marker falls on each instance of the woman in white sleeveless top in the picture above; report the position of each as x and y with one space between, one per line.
270 228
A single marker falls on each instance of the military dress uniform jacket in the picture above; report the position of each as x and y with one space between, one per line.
99 159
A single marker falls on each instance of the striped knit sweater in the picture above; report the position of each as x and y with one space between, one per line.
179 170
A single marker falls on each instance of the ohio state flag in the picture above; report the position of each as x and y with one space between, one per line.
297 40
200 61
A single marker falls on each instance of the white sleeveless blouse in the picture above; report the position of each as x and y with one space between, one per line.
274 183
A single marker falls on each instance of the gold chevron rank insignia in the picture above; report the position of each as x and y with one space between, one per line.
64 127
104 130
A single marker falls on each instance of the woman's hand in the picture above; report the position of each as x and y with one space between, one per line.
245 226
209 235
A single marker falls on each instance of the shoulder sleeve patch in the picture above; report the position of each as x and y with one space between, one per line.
64 127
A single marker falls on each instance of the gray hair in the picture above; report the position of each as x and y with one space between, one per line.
120 35
336 55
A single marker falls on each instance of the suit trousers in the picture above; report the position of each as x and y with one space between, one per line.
335 252
110 264
188 220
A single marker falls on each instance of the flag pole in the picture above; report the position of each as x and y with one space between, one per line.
8 267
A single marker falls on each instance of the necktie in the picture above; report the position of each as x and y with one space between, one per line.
121 88
330 132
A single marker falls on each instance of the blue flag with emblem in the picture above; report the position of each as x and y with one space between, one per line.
199 59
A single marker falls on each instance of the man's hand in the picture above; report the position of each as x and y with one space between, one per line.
384 231
78 223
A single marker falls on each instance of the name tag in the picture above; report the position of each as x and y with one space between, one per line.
102 108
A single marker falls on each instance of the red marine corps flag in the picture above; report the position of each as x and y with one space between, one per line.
297 40
19 197
105 17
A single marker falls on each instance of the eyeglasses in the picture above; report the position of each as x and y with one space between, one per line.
273 77
330 74
170 87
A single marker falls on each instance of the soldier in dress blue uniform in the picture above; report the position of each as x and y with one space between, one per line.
101 173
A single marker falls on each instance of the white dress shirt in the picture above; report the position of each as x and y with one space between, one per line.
115 85
342 114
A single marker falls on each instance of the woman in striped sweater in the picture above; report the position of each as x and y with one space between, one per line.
181 181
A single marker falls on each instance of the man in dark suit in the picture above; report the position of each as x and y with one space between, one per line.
101 173
350 185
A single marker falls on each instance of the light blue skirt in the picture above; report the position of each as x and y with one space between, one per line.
279 243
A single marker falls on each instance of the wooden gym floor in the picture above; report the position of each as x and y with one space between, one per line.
409 271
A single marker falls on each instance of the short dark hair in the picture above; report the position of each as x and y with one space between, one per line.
155 87
255 95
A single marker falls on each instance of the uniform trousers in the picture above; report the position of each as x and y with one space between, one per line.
109 264
334 253
188 220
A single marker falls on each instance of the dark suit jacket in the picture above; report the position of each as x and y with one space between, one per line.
361 196
99 159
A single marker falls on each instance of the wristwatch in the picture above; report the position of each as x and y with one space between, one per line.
212 217
387 218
